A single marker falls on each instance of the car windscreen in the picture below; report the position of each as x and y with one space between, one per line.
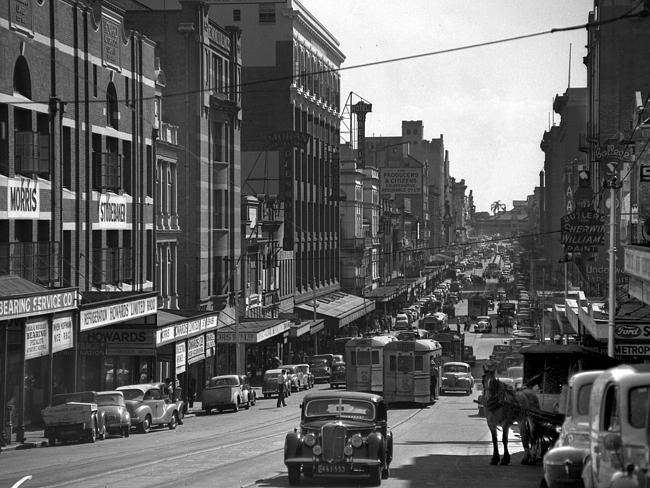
319 363
110 399
133 394
222 382
340 407
454 368
79 397
303 369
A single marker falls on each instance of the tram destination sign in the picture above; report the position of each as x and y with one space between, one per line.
583 230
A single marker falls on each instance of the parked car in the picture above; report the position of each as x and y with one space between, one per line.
563 463
227 391
525 333
295 376
483 325
617 427
307 374
321 369
341 434
337 377
456 376
270 383
149 406
116 416
73 416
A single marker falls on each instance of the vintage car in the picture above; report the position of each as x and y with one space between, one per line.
73 416
149 406
483 325
270 383
456 376
307 374
341 434
321 368
116 415
227 391
617 426
562 464
468 355
337 377
525 333
295 376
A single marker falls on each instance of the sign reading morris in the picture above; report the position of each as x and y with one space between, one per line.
401 180
23 198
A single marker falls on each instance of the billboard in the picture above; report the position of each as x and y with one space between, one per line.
406 181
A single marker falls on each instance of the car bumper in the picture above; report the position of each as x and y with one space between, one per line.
352 465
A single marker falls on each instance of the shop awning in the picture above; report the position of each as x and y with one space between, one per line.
340 306
299 329
252 332
383 293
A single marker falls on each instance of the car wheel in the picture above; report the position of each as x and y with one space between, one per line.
248 404
385 473
173 422
91 435
254 400
51 441
235 407
375 476
102 434
220 410
126 431
207 410
294 475
542 484
145 426
266 395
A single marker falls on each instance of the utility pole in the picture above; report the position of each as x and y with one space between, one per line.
613 184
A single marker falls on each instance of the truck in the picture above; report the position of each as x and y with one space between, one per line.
73 416
477 305
452 345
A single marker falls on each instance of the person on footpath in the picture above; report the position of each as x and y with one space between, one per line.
282 388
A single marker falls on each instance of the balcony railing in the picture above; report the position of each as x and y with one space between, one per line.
32 153
168 133
107 171
112 266
38 262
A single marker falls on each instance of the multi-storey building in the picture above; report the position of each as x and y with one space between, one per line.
459 211
290 146
76 161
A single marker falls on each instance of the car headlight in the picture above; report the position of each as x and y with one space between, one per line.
317 450
356 441
309 440
347 450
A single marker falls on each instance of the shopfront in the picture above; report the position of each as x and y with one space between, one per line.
186 349
116 340
36 331
258 341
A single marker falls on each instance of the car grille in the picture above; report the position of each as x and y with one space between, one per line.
333 436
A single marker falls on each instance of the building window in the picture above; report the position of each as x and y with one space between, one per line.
267 13
112 110
94 80
236 15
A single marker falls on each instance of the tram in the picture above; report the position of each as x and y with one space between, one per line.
364 360
412 371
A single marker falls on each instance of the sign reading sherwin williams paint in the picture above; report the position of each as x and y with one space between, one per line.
583 230
62 337
118 312
181 357
36 339
401 180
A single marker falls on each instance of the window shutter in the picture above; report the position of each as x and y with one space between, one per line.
43 153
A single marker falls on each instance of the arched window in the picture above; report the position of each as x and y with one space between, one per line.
112 109
22 78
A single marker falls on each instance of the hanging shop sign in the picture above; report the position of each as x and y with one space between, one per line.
37 339
210 343
641 349
117 312
184 329
180 357
195 349
43 303
247 337
23 198
62 336
583 230
112 212
611 155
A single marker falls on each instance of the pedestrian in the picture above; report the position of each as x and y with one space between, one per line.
282 388
169 386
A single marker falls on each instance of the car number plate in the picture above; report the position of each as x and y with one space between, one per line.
332 468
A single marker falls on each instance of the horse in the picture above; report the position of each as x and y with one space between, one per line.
503 407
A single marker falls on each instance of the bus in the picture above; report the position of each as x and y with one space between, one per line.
412 371
435 322
365 363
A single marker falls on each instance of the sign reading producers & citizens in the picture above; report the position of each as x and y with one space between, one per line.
401 180
583 230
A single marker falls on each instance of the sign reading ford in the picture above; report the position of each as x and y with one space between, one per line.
638 333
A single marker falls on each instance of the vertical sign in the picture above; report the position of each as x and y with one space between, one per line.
36 339
20 15
361 109
62 337
180 357
111 42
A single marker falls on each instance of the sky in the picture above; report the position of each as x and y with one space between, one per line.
492 104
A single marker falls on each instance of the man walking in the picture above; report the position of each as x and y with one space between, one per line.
282 388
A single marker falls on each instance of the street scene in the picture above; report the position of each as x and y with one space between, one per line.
302 243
